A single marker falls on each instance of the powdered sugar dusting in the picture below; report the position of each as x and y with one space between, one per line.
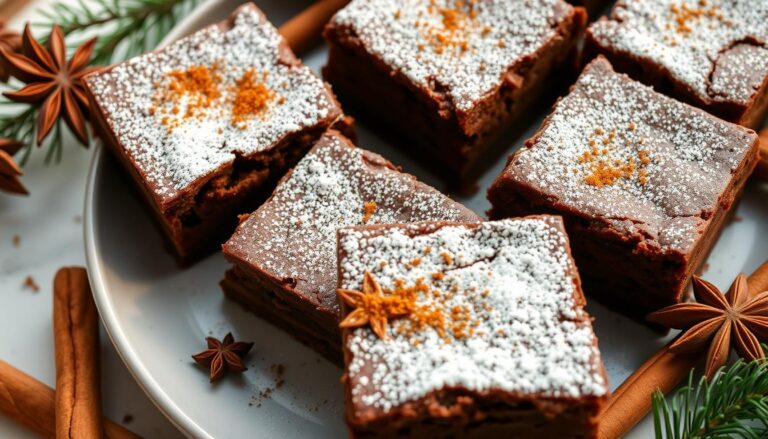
512 277
293 235
172 159
687 37
683 158
461 47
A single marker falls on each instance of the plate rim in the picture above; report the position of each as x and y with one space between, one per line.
93 256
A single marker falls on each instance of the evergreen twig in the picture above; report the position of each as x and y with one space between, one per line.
125 28
734 404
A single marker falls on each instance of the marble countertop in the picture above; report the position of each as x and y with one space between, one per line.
49 228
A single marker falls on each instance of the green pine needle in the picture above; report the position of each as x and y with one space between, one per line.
734 404
125 28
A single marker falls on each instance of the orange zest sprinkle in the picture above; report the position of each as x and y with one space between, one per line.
684 16
369 208
251 98
604 169
198 84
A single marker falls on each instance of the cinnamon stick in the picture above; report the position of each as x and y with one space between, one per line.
307 26
761 171
9 8
30 403
76 336
665 370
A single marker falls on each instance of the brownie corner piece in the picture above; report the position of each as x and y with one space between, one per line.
284 254
488 324
645 185
207 125
711 54
447 77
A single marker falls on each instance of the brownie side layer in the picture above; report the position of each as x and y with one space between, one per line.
461 413
310 326
410 115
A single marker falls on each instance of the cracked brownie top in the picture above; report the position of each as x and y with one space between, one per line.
482 307
715 48
615 150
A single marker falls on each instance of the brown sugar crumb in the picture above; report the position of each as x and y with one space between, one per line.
278 380
278 374
251 98
415 262
438 276
369 209
397 14
30 283
447 258
427 250
16 241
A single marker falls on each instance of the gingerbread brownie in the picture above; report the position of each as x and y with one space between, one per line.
710 53
645 184
208 125
444 77
481 332
284 254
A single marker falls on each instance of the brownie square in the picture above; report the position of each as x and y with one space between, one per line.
284 254
443 77
208 125
492 339
710 53
645 185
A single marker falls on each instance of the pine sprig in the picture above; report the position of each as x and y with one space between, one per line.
734 404
125 27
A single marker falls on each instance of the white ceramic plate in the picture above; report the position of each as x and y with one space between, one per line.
158 315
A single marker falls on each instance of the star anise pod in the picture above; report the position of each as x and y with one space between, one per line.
371 307
223 355
10 42
717 320
9 170
52 82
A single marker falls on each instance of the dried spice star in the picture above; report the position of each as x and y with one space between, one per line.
718 320
223 355
10 42
9 170
372 307
52 82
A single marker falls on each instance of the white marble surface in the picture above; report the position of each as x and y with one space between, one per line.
49 224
